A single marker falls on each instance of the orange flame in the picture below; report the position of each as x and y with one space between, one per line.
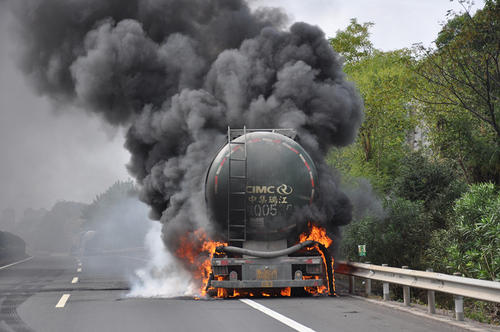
319 235
286 291
197 249
261 293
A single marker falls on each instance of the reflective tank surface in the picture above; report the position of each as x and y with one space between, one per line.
280 178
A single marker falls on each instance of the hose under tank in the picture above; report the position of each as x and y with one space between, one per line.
265 254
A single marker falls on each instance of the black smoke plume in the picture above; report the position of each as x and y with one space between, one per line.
176 73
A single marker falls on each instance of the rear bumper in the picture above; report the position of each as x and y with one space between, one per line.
266 283
278 272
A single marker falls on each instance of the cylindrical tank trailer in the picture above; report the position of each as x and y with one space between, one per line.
254 188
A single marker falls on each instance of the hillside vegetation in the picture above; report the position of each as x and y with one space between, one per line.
430 146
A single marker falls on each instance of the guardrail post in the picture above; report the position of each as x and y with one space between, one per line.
459 307
459 303
406 291
368 285
351 284
385 288
431 299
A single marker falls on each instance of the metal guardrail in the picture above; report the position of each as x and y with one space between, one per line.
468 287
431 281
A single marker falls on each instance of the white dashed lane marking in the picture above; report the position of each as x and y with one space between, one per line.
62 301
79 269
75 280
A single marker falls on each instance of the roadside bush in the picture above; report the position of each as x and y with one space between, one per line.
434 183
475 242
398 239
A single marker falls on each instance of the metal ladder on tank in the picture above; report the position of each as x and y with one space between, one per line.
237 200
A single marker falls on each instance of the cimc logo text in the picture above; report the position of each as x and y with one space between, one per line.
283 190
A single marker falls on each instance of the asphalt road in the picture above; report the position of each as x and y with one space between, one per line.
31 291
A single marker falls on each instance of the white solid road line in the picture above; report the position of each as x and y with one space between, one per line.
75 280
279 317
62 301
79 269
21 261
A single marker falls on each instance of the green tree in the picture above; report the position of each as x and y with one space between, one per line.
461 92
353 43
117 217
385 81
119 192
434 183
471 244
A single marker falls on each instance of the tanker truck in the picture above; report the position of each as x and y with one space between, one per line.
255 188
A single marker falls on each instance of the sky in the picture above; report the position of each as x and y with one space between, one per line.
398 23
48 155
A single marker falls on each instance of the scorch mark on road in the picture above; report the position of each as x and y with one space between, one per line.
279 317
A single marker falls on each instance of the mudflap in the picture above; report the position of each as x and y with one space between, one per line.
328 261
